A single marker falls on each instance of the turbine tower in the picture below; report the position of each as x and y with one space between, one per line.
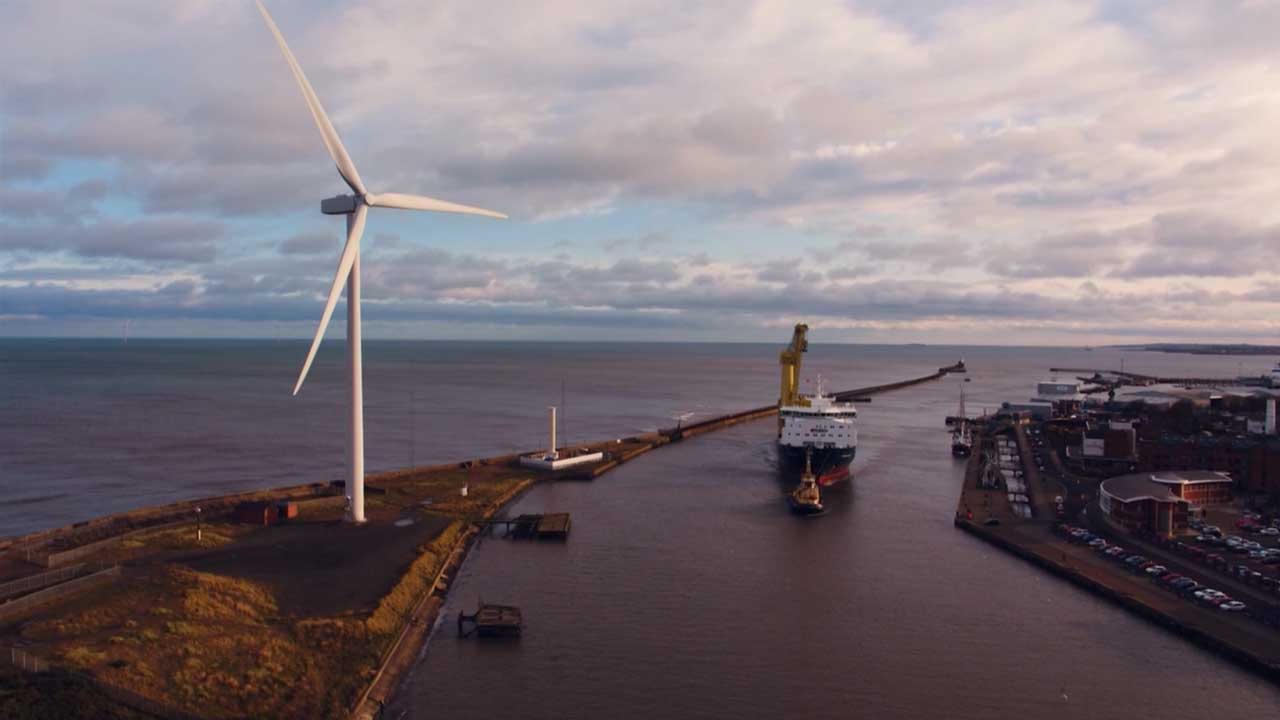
355 207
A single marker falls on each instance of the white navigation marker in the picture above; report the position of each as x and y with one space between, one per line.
355 207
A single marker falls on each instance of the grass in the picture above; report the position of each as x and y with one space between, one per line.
218 646
396 605
57 695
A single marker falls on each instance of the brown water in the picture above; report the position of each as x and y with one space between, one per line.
687 591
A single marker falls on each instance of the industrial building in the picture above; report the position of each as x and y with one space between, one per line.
1161 502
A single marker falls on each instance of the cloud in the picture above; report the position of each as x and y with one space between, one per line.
310 244
1197 245
1073 255
158 238
937 162
1167 246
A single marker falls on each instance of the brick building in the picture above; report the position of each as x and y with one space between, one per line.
1161 502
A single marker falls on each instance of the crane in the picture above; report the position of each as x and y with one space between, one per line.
790 361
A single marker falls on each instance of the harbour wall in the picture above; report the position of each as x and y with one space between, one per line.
1098 586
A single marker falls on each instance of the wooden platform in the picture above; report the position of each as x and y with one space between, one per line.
549 526
553 525
491 621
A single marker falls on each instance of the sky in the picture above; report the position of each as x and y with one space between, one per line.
1062 173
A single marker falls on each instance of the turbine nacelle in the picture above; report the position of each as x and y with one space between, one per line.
347 204
339 205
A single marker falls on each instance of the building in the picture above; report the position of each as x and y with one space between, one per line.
556 458
1064 398
1022 413
1253 461
1161 502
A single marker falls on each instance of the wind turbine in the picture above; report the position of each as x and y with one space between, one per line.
355 207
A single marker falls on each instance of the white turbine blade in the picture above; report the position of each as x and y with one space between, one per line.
332 142
420 202
339 279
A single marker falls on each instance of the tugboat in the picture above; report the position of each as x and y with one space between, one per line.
961 436
806 498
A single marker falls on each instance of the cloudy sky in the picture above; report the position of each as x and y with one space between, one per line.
889 171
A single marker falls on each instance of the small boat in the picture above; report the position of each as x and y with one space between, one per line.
806 499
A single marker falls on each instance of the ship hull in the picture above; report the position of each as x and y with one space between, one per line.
830 465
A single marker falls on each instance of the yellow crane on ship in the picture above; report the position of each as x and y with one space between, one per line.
790 360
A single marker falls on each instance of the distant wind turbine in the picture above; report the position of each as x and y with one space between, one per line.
355 207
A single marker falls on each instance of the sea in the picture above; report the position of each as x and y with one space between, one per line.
686 589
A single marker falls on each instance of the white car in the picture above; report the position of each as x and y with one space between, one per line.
1270 531
1157 570
1232 606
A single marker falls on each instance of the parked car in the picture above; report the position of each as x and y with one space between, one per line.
1209 596
1156 570
1270 531
1188 588
1232 606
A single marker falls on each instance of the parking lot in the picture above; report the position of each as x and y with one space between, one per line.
1190 575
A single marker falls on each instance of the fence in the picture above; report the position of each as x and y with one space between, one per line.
26 602
35 582
25 661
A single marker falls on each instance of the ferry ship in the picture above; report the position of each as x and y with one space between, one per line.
822 428
813 430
